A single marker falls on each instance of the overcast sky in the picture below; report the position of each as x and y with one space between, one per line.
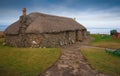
90 13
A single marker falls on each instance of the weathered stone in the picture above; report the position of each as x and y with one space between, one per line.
72 63
61 44
100 74
4 44
48 73
62 66
67 73
47 40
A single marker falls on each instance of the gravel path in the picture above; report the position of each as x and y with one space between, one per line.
71 63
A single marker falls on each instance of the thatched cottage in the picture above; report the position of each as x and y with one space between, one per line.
44 31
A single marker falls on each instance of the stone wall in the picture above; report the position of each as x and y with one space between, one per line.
84 34
44 40
52 39
80 36
16 40
12 40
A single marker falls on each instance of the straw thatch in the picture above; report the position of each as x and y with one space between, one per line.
44 30
43 23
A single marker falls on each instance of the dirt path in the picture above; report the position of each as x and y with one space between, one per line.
71 63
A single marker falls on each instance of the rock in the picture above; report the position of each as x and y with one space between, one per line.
65 43
62 66
4 44
44 47
48 73
100 74
61 43
72 63
73 41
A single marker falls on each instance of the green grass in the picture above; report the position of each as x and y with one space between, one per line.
99 37
26 61
102 61
105 41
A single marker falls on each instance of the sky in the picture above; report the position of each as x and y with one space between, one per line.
90 13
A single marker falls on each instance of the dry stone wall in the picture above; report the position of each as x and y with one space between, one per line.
52 39
12 41
80 37
43 40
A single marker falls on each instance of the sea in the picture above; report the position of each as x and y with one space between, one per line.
101 30
91 30
3 27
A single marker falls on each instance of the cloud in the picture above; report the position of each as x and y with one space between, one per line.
91 17
8 16
99 18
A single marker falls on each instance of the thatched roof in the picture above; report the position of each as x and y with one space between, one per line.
43 23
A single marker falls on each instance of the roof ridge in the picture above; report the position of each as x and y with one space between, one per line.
41 23
44 14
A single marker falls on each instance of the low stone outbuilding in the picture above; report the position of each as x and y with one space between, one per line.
44 31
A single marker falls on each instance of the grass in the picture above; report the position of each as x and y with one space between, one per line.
102 61
26 61
105 41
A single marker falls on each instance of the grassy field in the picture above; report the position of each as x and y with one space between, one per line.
105 41
26 61
102 61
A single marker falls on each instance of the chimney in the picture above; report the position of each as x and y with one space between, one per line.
24 11
74 18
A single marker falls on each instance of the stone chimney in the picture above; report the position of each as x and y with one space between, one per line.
74 18
24 11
